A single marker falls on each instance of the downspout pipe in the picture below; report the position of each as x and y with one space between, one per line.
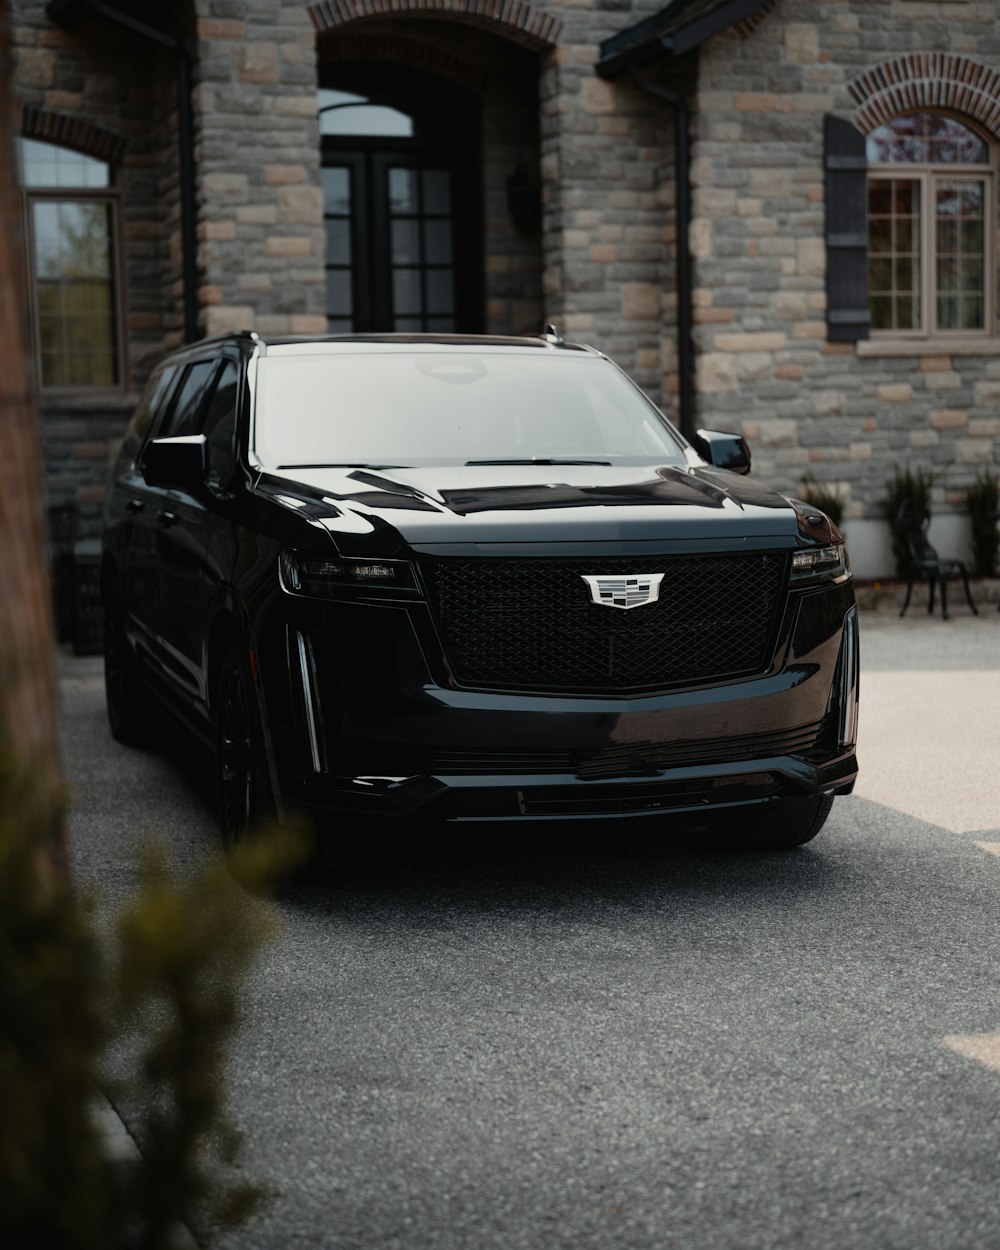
685 289
185 141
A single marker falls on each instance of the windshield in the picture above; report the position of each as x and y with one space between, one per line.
405 408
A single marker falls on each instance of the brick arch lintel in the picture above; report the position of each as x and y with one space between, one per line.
73 132
381 45
510 19
927 80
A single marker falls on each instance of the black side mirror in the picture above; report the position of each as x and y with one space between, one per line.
723 451
175 462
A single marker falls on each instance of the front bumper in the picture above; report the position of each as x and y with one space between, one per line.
368 727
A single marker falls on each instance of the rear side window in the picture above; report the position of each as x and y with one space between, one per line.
150 404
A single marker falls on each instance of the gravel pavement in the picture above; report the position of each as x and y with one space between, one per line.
630 1043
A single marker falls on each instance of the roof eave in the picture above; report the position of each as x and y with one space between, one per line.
644 43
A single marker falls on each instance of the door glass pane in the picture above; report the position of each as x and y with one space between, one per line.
406 298
422 247
440 291
403 191
437 242
338 293
406 242
437 191
338 241
336 190
74 282
337 210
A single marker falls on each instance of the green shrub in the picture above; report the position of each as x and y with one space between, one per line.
165 992
910 489
982 500
827 499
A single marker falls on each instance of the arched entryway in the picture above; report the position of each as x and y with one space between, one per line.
401 201
431 180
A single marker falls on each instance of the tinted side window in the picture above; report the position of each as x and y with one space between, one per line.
149 405
219 426
194 388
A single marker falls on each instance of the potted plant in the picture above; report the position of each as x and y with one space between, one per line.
982 500
828 499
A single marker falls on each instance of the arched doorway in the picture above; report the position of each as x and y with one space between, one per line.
401 201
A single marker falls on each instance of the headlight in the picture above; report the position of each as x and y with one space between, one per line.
820 564
303 573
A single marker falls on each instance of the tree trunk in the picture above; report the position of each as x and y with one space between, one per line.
27 655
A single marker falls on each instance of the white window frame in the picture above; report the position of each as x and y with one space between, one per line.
929 176
111 197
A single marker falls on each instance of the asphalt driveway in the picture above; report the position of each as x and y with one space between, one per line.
630 1043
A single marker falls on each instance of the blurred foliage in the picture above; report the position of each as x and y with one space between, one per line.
982 500
162 988
827 499
907 501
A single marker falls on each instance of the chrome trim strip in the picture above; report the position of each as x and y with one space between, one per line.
309 699
849 681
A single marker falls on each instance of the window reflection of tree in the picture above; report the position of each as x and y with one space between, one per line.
926 239
70 220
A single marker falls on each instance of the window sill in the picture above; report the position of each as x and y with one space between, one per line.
957 346
54 401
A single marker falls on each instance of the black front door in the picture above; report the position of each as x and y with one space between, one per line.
401 215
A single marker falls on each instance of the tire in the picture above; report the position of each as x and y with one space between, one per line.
782 827
130 715
244 800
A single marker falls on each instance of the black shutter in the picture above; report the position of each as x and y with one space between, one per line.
847 315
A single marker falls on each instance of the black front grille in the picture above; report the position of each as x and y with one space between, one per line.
531 624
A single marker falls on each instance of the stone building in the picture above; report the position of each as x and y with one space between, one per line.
779 215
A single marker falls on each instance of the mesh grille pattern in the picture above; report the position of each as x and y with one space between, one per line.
528 624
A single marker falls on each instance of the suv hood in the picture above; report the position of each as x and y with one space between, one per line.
538 503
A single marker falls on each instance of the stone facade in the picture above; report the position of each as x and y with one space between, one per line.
601 262
846 413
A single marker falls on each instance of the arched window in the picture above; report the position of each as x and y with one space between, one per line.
930 199
344 113
71 225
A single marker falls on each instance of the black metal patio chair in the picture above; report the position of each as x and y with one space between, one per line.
925 562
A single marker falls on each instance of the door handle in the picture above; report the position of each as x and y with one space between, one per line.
135 505
166 518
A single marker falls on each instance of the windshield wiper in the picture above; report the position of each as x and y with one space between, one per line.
334 464
537 460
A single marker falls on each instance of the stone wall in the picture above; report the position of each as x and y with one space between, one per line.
847 414
260 208
96 78
607 169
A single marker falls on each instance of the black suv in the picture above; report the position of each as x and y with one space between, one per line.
471 580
